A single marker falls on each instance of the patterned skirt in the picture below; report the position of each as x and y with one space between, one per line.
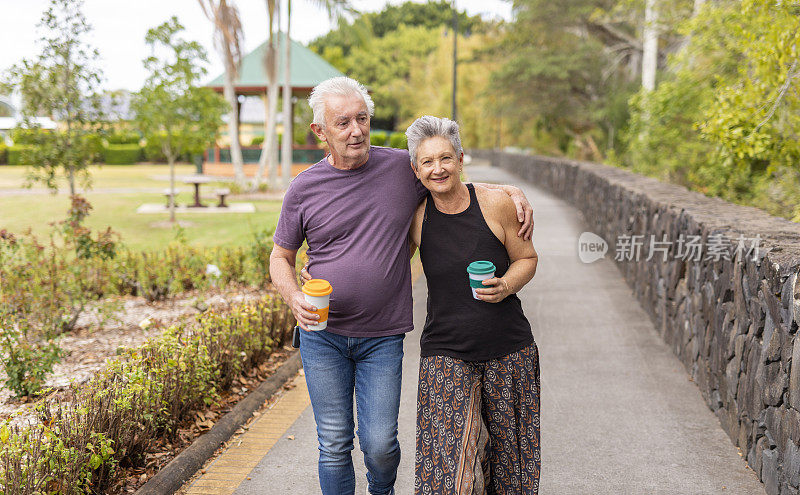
478 425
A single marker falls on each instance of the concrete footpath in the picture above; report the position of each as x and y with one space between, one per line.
619 413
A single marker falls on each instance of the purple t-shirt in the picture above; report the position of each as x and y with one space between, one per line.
356 225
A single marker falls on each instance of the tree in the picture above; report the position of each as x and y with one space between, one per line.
60 83
727 108
334 9
377 49
170 104
385 64
650 46
364 28
428 88
268 157
228 38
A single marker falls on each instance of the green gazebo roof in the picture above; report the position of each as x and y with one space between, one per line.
308 69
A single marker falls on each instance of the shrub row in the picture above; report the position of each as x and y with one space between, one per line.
118 148
122 154
393 140
112 421
51 284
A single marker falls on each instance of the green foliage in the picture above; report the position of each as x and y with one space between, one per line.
122 154
51 285
727 110
257 141
22 135
140 397
95 145
3 153
20 154
360 32
154 148
398 140
60 83
124 138
378 138
171 105
379 49
578 69
27 362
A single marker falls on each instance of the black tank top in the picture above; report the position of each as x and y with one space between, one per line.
458 325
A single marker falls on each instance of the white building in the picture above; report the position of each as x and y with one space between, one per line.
10 117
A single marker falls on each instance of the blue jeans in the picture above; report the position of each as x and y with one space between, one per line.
335 367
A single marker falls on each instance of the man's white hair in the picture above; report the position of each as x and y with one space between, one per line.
336 86
427 127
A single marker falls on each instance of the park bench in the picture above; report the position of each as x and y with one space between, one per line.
221 193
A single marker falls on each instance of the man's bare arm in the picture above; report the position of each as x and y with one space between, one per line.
281 270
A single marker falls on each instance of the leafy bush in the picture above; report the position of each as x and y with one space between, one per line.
20 154
138 398
398 140
122 154
21 135
123 138
3 152
26 362
377 138
257 141
96 147
153 151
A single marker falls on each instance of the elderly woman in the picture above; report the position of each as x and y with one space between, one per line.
478 399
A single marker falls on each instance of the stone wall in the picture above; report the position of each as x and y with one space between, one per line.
732 322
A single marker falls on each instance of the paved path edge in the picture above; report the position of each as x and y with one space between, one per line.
172 476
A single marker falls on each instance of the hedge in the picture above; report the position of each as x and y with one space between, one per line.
398 140
122 154
3 153
17 154
377 138
124 138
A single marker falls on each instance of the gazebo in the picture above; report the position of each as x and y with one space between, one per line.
307 70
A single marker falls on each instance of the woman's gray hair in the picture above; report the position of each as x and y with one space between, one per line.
427 127
336 86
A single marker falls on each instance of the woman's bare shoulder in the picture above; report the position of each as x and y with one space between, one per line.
496 203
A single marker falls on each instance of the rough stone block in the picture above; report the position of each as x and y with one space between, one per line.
794 375
769 472
790 423
791 463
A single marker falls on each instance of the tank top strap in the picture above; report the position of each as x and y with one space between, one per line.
473 198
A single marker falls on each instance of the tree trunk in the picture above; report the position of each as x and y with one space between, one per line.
171 161
288 138
233 126
650 46
268 158
71 178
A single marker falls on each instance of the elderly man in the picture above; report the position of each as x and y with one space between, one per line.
354 209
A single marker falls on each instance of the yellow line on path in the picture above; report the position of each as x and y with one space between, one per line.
232 467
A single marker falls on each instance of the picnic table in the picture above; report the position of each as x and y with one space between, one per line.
196 180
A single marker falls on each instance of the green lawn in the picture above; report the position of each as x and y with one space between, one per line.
118 209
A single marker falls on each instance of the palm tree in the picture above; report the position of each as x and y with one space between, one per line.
335 9
228 36
269 150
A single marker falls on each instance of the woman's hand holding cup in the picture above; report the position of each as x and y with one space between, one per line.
496 289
